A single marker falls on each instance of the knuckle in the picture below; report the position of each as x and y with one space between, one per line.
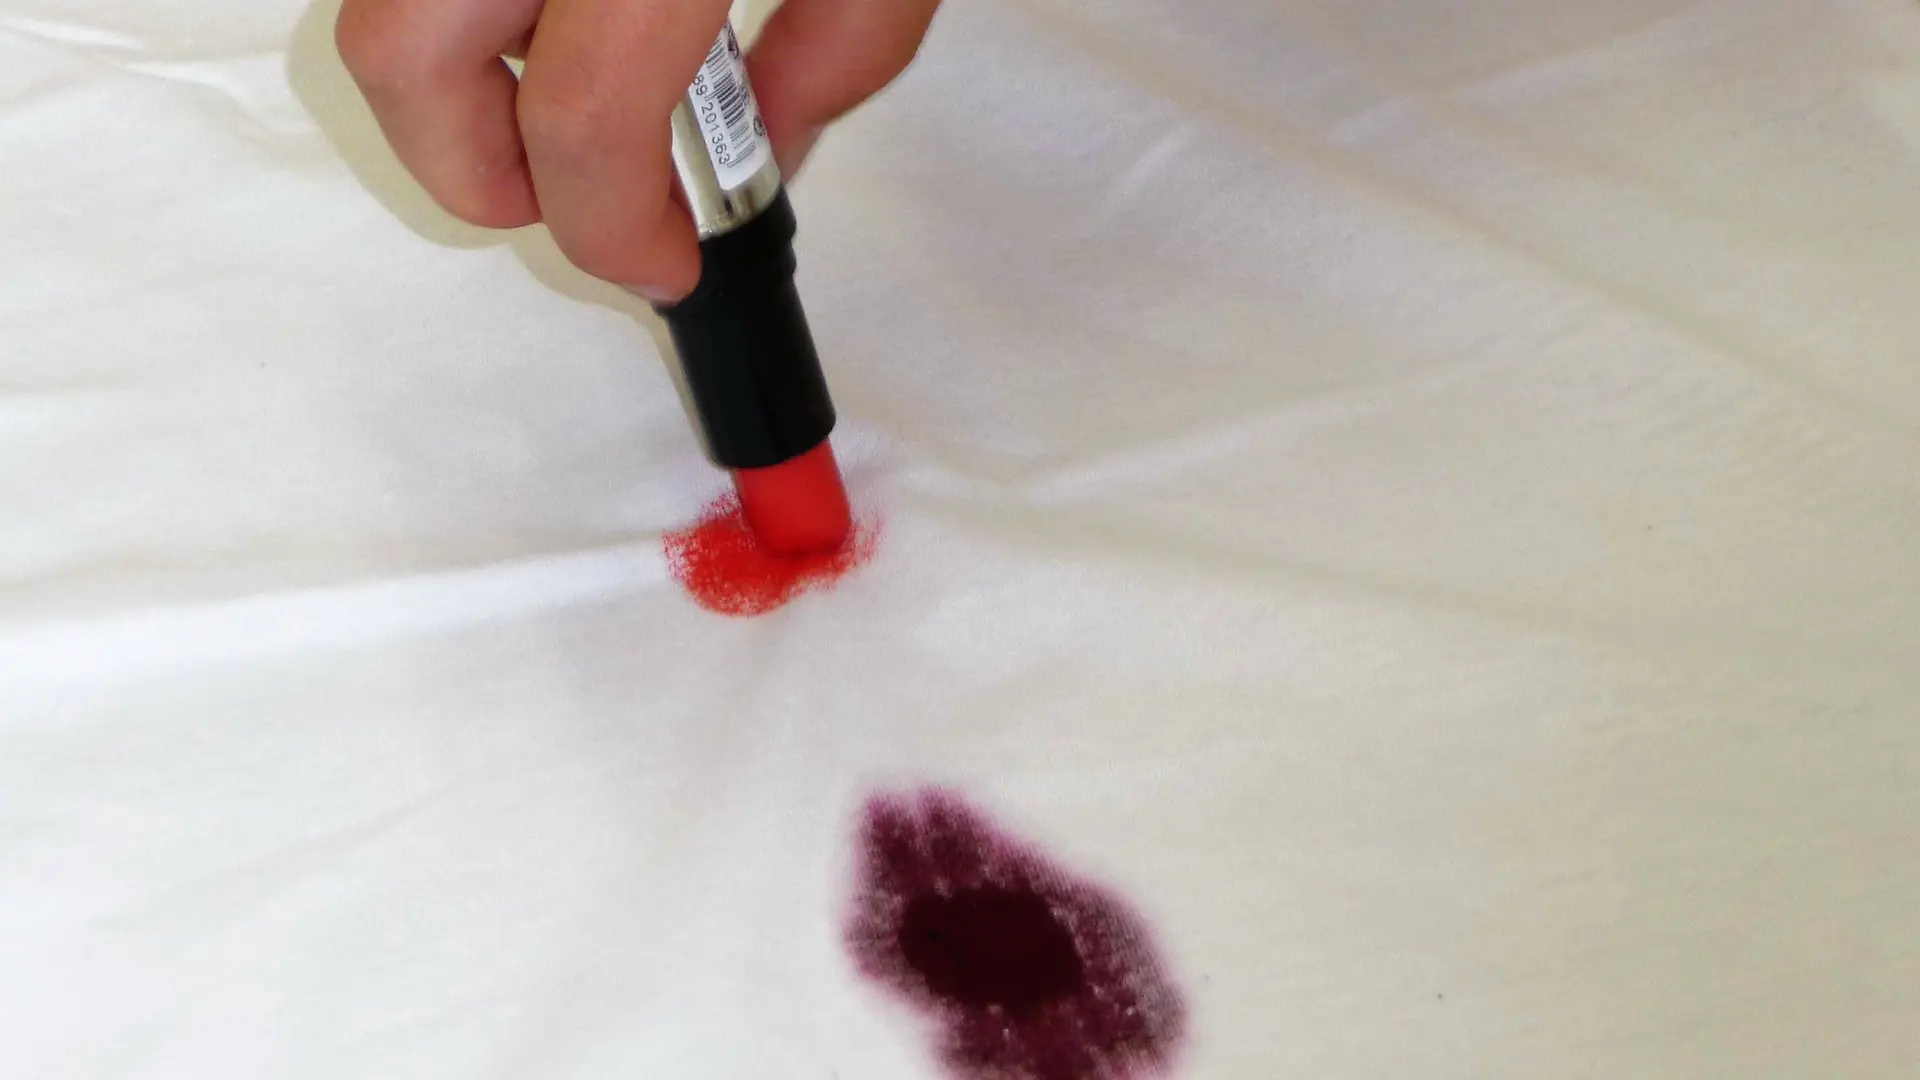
883 66
867 80
567 114
375 39
864 73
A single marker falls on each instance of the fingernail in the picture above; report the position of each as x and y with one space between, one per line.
653 294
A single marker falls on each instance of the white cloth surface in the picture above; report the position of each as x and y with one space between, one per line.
1423 496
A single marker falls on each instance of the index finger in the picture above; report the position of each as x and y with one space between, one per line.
596 101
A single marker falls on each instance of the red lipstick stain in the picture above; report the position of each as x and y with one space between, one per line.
1031 973
723 566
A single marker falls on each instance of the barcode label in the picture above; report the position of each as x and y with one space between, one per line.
729 119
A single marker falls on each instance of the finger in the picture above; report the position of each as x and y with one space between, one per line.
431 71
601 82
816 60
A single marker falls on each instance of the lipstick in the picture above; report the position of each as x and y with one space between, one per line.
754 385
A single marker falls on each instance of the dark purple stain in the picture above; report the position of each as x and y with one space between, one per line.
1031 972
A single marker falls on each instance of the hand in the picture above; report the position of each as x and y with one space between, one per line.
581 140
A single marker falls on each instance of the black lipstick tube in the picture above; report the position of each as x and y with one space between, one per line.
746 357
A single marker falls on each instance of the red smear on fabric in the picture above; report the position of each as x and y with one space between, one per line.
1031 973
726 569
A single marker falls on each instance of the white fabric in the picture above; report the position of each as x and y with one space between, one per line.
1421 495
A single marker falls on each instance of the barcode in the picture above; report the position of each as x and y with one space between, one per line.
729 119
730 95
